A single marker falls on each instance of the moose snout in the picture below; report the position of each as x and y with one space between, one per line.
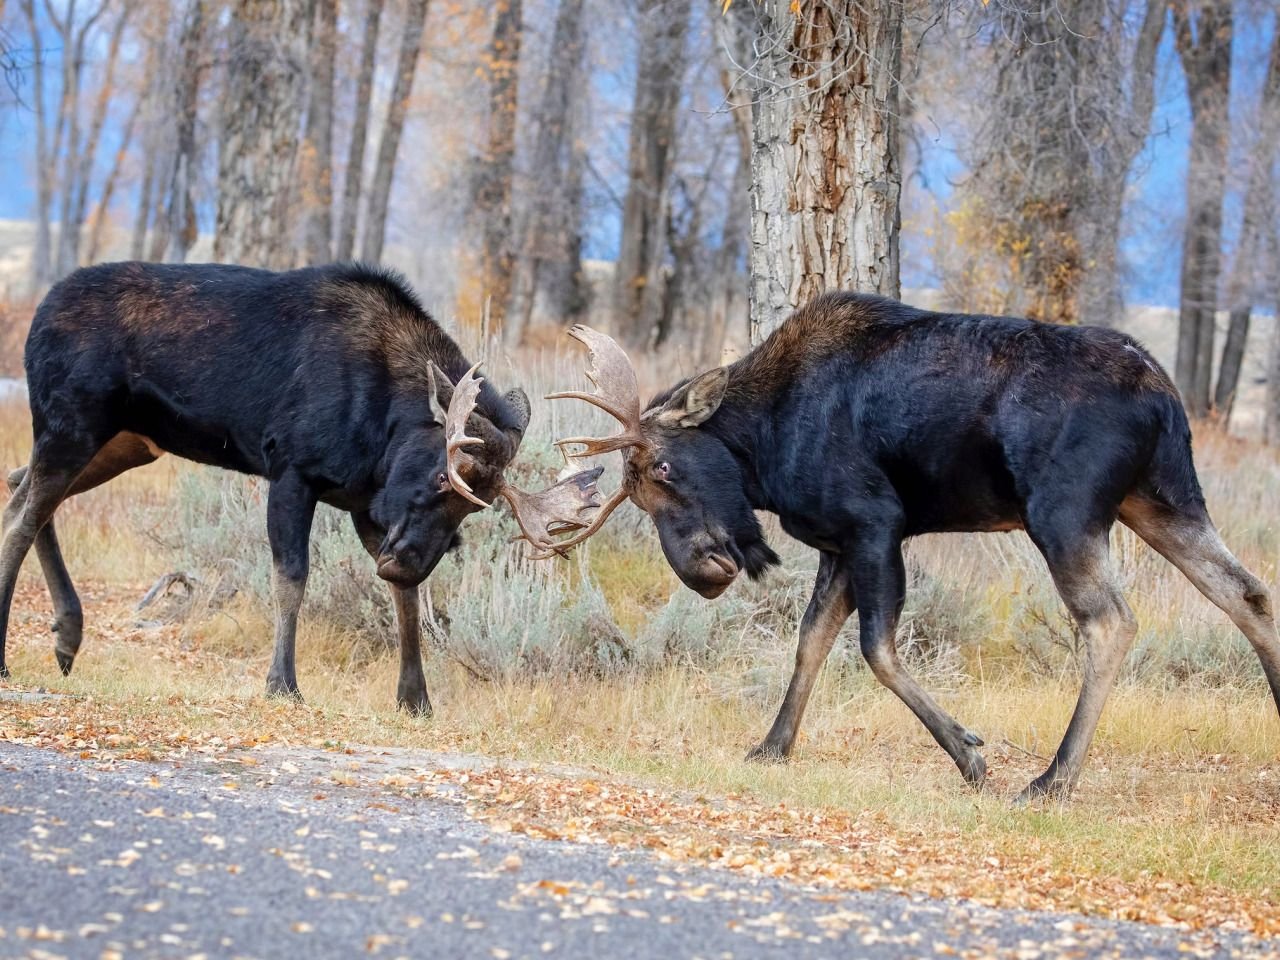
715 571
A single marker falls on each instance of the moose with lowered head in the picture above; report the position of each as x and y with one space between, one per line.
331 382
861 422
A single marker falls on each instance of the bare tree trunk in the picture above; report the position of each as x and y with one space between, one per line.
375 223
1242 287
260 127
78 190
548 254
1204 45
493 180
639 280
149 108
825 176
733 34
45 158
180 228
317 177
345 242
109 184
1101 299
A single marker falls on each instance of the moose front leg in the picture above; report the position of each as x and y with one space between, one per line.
291 504
880 582
411 689
829 608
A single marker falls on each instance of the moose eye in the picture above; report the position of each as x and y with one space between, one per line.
442 482
662 471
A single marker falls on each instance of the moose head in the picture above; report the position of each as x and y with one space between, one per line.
683 476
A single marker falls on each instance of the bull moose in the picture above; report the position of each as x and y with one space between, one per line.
861 422
331 382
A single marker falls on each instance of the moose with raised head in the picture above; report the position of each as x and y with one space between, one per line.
331 382
861 422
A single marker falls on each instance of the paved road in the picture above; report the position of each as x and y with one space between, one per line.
135 859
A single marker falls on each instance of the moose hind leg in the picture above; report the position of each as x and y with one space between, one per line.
880 585
1090 587
122 453
38 492
1189 540
829 607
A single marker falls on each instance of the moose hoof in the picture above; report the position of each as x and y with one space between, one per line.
973 768
415 705
1044 787
767 753
65 660
4 672
281 691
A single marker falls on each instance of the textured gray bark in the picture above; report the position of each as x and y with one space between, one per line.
345 242
375 222
548 261
1203 33
1271 408
639 279
734 39
77 189
825 176
42 250
492 200
317 174
109 184
1243 287
180 227
260 128
73 38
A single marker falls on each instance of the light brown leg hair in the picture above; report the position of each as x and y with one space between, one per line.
1192 544
829 607
124 452
1090 587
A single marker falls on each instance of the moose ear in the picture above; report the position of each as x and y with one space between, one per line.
440 388
518 401
696 401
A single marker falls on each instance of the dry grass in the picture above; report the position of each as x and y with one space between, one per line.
1183 785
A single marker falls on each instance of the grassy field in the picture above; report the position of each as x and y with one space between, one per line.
606 663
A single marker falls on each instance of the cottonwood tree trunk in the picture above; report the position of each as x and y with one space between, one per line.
345 242
261 123
1259 210
493 180
548 255
77 189
1203 34
375 223
734 38
177 232
73 38
1100 297
317 165
825 176
639 279
109 184
45 158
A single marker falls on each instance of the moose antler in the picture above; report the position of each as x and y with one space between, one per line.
461 404
617 393
559 509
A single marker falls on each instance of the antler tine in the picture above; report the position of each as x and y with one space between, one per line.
461 404
586 533
617 391
561 508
